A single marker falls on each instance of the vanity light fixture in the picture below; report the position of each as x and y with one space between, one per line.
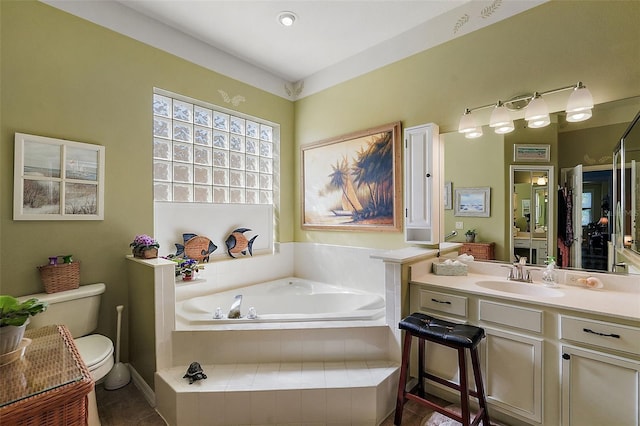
578 108
287 18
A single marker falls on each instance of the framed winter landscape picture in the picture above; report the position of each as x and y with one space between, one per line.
353 182
56 179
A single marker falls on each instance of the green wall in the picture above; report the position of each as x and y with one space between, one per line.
550 46
65 77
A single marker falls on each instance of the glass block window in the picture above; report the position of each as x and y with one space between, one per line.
204 153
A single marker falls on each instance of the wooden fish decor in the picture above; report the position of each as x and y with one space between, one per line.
237 243
195 247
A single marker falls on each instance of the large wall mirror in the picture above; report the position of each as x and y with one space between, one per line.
580 167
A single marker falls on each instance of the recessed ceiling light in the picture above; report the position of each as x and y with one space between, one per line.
287 18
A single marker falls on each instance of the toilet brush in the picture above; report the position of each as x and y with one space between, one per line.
119 375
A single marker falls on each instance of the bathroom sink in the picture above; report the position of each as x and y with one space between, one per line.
526 289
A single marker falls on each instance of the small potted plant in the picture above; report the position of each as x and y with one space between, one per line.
470 235
14 317
188 268
144 247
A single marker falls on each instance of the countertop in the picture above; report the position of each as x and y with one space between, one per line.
618 301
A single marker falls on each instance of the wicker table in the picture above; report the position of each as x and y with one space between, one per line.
49 385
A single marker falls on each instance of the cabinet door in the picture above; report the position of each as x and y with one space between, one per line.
422 184
599 389
513 373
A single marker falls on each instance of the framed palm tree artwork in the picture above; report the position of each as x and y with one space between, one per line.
353 182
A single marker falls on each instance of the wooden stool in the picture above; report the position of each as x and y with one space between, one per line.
457 336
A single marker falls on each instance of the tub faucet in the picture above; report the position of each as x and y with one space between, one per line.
451 235
234 312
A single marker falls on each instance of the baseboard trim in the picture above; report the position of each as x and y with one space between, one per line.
146 390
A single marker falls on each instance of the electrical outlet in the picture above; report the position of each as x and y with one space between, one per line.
571 278
459 225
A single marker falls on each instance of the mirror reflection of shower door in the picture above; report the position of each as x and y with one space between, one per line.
635 200
573 179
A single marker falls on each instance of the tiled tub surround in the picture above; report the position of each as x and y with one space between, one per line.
570 357
333 371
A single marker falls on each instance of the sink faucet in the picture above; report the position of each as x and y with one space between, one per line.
519 273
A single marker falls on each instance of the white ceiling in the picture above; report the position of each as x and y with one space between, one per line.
331 41
325 33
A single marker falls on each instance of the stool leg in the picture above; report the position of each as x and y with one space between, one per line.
421 376
477 374
402 383
464 386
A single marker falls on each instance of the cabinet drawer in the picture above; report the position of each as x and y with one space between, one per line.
443 302
599 333
511 316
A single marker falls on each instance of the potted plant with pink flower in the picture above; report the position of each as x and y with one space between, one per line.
144 247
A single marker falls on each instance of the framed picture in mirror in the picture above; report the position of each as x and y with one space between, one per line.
472 202
531 152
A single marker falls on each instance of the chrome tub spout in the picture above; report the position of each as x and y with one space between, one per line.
235 307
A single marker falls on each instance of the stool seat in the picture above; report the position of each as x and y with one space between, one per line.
461 338
430 328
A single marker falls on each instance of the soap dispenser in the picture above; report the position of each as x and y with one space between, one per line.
549 275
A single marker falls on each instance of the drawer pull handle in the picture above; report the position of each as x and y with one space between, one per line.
587 330
446 302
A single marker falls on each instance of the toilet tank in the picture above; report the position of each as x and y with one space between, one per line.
77 309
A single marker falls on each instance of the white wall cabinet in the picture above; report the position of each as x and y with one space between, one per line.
422 184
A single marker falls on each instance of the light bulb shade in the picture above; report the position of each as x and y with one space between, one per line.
580 100
500 116
474 133
537 110
541 181
539 122
504 128
467 123
579 115
580 104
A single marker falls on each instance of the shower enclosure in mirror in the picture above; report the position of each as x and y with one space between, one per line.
532 230
626 201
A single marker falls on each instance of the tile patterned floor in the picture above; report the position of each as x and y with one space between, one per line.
128 407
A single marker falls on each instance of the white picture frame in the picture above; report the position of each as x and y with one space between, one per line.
473 202
57 179
531 152
448 199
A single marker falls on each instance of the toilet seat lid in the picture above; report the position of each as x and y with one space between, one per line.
94 348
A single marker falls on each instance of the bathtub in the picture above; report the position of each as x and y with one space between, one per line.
284 300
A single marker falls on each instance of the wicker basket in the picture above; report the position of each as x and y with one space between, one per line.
61 277
443 269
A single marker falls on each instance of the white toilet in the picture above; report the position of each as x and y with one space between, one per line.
78 310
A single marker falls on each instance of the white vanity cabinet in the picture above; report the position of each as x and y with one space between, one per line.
541 364
512 355
422 184
600 384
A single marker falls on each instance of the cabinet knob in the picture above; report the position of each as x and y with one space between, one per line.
428 175
566 356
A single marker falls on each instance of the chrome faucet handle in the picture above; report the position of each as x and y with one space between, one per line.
526 276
